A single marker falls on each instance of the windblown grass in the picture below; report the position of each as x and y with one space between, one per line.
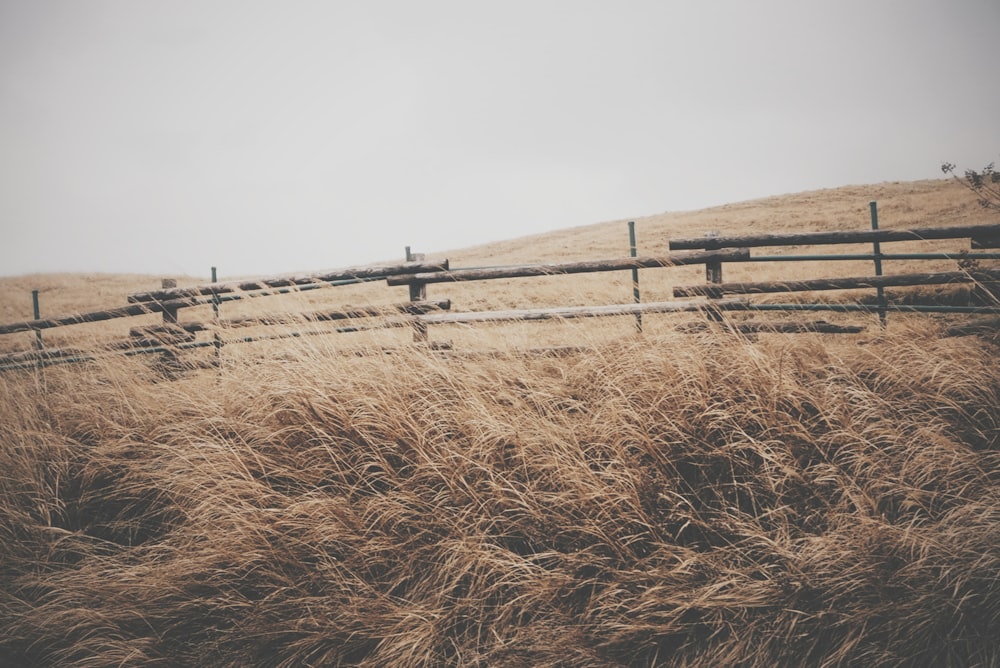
672 500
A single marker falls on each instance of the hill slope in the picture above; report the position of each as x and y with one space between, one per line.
908 204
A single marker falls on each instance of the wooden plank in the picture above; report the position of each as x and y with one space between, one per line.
784 327
851 283
986 241
366 272
585 267
986 327
40 355
569 312
326 316
162 335
843 237
97 316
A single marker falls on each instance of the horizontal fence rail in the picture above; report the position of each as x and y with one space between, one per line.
411 308
100 316
849 283
570 312
348 274
560 268
871 257
982 232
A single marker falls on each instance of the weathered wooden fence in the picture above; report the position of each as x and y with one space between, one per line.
713 298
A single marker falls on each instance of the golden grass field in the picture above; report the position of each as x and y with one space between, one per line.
657 499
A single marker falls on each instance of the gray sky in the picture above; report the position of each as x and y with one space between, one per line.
269 137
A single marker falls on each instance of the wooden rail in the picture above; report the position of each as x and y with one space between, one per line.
571 312
976 232
99 316
819 284
352 273
560 268
411 308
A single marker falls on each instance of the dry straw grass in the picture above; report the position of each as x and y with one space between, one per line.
665 499
670 500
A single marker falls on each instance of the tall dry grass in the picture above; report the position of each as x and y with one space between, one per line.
661 500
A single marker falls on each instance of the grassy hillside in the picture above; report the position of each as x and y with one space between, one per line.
664 499
901 205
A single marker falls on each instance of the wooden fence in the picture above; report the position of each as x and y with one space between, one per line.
713 298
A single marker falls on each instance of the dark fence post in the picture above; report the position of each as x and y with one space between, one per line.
635 274
169 314
877 255
216 337
418 293
713 275
985 293
170 364
37 314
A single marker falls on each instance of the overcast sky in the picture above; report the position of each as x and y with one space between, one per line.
268 137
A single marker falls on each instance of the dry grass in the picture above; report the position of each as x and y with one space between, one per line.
676 500
665 499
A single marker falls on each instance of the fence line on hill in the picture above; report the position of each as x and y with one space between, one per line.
711 250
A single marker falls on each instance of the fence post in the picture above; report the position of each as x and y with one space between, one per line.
713 275
635 274
216 338
170 364
37 315
986 293
877 255
169 314
418 293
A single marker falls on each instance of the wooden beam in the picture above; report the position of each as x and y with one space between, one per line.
40 355
160 335
585 267
371 272
837 283
820 326
845 237
987 327
986 241
98 316
569 312
326 316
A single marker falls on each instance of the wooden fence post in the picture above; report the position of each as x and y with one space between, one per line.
635 275
169 314
877 255
986 293
418 293
713 275
216 336
170 365
38 315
